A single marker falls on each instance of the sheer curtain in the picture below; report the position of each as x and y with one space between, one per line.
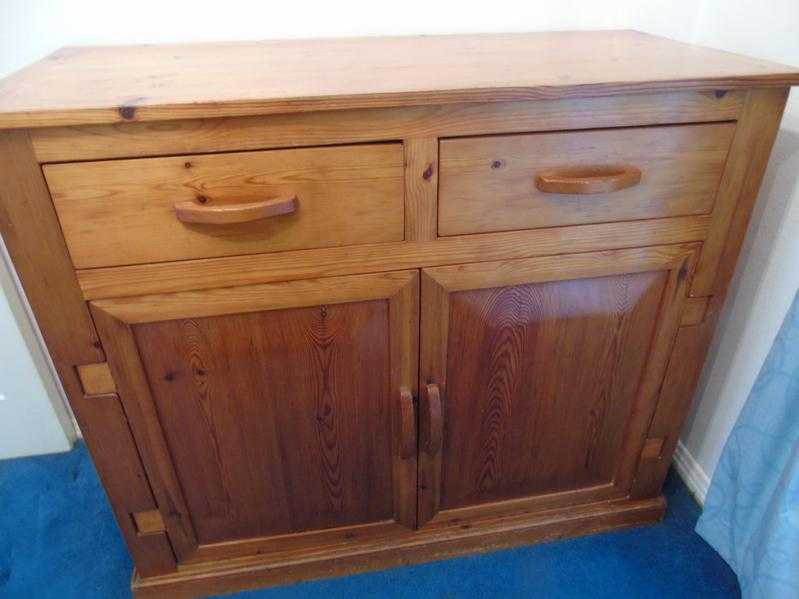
751 514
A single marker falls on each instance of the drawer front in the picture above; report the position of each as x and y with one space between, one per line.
121 212
492 183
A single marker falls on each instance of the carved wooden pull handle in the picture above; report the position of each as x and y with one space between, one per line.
407 447
588 179
430 419
229 214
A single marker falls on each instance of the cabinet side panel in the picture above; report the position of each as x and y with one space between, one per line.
759 124
32 234
110 442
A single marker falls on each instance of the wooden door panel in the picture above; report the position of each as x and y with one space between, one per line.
276 420
260 420
548 370
529 356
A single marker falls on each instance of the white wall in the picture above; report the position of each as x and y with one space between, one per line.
29 30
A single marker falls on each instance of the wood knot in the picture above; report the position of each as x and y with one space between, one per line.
128 109
428 172
720 93
497 164
127 112
202 199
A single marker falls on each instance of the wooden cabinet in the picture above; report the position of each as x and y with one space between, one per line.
321 307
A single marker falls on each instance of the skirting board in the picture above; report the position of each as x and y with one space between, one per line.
692 474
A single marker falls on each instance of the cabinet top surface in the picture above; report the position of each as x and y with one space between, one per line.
109 84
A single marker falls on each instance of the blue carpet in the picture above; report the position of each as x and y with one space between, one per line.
58 539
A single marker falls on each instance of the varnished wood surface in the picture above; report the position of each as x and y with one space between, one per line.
754 138
191 136
591 179
96 379
105 429
31 233
483 326
277 421
209 337
275 417
199 212
516 359
150 82
244 270
751 149
254 298
489 183
123 211
445 540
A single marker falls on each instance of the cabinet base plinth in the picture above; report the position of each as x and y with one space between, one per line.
428 544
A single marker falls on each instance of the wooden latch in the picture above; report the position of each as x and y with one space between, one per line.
96 379
148 522
653 447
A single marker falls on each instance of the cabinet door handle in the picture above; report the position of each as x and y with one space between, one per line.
430 416
407 447
588 179
230 214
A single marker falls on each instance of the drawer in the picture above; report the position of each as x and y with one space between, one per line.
120 212
509 182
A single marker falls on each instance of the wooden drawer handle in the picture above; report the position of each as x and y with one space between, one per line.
407 425
229 214
430 419
588 179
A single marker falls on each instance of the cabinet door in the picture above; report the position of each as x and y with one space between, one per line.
539 376
270 410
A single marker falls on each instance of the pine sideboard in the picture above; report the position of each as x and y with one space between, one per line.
324 306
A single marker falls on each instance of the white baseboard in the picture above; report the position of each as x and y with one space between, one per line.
692 474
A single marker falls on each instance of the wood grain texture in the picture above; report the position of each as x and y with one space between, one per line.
751 147
108 437
278 421
153 82
197 211
135 395
431 436
748 160
503 273
679 386
516 358
192 136
588 180
404 347
275 418
148 522
122 212
489 183
694 313
505 342
421 188
31 233
96 379
242 270
254 298
449 539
